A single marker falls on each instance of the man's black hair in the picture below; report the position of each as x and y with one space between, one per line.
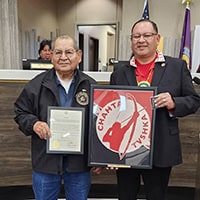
146 20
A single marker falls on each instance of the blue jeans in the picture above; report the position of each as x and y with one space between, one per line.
47 186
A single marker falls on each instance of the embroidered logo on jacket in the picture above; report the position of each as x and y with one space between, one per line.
82 98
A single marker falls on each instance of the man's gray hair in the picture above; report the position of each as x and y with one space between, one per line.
66 37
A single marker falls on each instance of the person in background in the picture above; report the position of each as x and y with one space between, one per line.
176 98
66 86
45 52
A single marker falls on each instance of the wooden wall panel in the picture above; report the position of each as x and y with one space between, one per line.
15 165
197 195
185 174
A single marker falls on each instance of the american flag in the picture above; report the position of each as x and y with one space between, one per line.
145 14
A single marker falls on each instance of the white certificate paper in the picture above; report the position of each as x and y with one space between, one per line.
67 130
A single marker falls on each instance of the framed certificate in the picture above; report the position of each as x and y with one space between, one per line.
67 130
121 126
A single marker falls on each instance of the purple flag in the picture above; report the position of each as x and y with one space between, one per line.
185 50
145 14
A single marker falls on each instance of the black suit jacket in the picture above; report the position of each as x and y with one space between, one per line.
170 76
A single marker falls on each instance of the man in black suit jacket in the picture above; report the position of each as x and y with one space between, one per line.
176 98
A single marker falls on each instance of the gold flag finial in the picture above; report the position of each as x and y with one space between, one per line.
187 2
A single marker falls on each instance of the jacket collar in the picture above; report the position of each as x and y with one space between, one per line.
160 59
160 67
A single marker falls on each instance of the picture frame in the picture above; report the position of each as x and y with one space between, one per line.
67 130
121 126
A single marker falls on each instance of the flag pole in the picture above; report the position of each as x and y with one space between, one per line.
187 2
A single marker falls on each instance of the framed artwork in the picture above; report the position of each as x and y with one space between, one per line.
121 126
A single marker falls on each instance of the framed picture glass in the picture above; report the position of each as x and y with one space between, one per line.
67 130
121 126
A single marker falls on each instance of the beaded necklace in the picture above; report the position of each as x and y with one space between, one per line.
144 73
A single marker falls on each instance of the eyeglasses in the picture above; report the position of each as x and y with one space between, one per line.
68 53
146 36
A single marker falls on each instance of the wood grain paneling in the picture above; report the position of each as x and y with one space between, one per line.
15 156
15 162
197 195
